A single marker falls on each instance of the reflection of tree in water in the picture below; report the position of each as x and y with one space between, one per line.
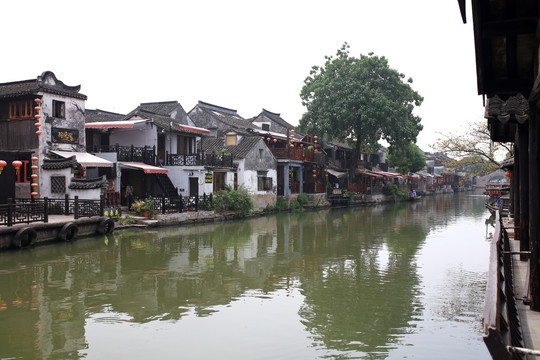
361 286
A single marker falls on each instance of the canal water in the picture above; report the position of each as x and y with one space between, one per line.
399 281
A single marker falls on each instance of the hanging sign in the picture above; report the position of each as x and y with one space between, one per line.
65 136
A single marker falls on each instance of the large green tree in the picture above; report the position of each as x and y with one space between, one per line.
406 159
360 99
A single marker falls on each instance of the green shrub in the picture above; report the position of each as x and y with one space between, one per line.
296 206
281 204
126 220
233 200
395 192
302 199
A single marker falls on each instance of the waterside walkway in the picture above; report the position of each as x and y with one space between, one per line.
530 320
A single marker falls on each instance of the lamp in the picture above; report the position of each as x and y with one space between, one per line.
2 164
17 164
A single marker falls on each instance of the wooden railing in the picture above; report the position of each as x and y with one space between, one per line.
502 330
22 211
178 204
146 154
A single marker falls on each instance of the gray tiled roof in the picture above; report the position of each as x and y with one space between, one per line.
46 82
208 116
171 109
55 164
162 121
162 107
95 183
276 118
96 115
239 151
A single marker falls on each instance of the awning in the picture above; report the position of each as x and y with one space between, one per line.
84 158
194 129
369 173
337 174
148 169
113 124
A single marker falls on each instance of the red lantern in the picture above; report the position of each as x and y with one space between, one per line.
314 171
34 193
2 164
37 125
34 167
373 178
268 138
35 158
37 100
34 176
490 193
16 164
37 116
292 130
314 175
508 174
37 108
34 185
275 140
38 132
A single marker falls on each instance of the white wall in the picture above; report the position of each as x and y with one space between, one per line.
140 136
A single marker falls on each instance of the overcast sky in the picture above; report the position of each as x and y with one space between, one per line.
244 55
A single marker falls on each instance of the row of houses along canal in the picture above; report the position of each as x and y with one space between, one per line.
389 281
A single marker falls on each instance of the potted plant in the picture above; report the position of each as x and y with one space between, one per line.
144 207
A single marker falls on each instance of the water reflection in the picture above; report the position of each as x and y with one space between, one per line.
356 269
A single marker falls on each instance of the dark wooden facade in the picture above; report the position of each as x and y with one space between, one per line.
506 42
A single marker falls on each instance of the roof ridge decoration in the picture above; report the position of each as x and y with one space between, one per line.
48 78
270 112
46 82
160 102
104 111
217 108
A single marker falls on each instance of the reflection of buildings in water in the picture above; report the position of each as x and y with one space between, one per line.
349 263
44 315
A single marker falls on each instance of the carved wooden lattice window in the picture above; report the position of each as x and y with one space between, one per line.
264 183
58 184
22 109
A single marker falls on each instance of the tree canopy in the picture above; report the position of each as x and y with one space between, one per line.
472 149
406 159
360 99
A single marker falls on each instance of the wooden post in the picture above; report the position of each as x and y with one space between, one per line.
534 213
66 204
45 209
10 212
163 204
101 207
515 178
523 132
76 208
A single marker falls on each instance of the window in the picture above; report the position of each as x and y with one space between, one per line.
58 184
22 109
231 139
59 109
264 183
266 127
260 153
